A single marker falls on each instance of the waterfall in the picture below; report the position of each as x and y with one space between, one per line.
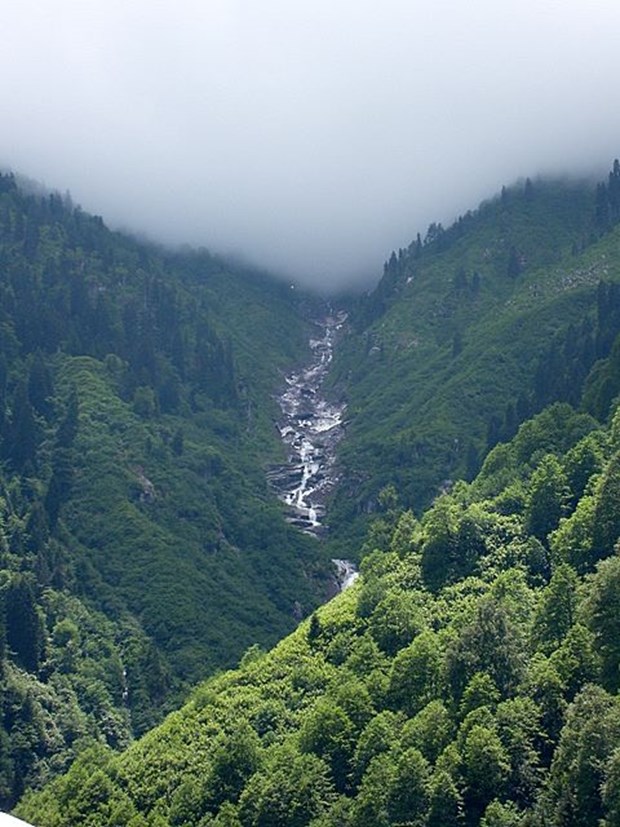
311 427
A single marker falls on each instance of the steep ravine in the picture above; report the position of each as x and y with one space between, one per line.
311 427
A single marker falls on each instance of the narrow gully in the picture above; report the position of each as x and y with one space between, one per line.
311 427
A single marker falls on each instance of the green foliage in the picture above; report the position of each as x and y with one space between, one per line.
498 814
578 772
469 677
140 547
23 624
445 801
603 617
395 621
327 731
416 676
548 498
557 608
440 367
234 761
491 644
289 792
486 700
485 767
606 529
430 731
481 691
408 794
378 737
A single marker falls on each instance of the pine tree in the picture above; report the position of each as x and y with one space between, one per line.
21 445
40 386
24 629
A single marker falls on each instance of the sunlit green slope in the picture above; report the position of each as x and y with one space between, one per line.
469 678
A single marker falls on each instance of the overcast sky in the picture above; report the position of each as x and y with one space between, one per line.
311 136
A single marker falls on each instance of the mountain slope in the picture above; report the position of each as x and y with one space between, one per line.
141 549
470 677
140 546
467 334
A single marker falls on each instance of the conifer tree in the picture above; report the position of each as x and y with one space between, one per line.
21 444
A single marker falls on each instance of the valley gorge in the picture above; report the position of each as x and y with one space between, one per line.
311 427
462 678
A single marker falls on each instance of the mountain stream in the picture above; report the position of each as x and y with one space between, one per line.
311 427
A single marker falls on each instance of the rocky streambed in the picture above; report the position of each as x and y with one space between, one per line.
311 427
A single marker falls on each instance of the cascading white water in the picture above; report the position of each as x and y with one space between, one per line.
346 573
311 427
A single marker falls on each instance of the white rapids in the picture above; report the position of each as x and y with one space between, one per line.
346 573
311 426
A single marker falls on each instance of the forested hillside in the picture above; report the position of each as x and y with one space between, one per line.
140 549
470 676
472 330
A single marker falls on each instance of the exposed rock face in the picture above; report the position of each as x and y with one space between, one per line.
310 427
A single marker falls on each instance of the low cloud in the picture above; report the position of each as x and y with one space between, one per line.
308 137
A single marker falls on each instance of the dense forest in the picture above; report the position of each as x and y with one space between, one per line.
140 548
472 330
469 677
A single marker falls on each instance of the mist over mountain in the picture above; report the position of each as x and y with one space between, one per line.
310 138
143 547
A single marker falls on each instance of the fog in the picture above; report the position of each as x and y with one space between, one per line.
308 137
